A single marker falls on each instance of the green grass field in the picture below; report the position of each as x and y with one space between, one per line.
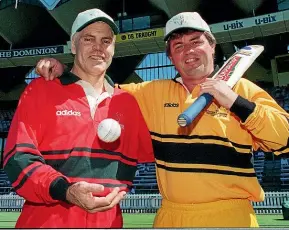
7 220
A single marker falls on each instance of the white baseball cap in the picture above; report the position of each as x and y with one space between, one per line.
88 17
185 20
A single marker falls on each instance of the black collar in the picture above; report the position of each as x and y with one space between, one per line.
68 78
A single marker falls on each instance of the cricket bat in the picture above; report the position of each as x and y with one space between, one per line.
231 72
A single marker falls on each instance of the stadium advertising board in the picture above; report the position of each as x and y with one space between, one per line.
140 35
31 52
247 22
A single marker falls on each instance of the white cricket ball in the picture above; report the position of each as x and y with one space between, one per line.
108 130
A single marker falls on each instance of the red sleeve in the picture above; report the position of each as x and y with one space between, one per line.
145 153
25 166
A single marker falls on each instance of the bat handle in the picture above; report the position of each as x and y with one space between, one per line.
187 117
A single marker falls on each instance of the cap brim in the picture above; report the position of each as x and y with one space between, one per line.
182 28
112 25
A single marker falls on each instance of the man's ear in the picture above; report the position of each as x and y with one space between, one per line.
171 59
214 49
73 44
114 43
213 46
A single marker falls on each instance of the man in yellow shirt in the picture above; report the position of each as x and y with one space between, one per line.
204 171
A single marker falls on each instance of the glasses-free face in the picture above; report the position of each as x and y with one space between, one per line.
192 54
94 48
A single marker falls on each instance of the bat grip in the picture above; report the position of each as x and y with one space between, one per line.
188 116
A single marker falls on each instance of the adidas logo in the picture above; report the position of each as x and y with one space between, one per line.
68 113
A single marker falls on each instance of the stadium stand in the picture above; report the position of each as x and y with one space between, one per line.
145 179
5 185
259 161
271 175
284 176
7 110
6 116
281 95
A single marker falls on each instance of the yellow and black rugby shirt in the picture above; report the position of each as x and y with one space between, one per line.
210 159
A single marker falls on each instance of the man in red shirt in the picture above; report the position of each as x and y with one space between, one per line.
53 156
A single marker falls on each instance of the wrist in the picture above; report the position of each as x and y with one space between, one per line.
233 97
242 108
58 189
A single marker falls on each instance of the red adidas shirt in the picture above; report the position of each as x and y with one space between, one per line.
54 134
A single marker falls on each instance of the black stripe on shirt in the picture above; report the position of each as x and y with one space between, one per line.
198 153
89 150
18 162
198 137
26 176
213 171
22 145
87 167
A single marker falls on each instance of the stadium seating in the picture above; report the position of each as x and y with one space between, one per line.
5 185
6 116
145 179
284 175
281 95
271 175
259 161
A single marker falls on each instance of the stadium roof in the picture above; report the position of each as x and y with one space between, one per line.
28 23
32 25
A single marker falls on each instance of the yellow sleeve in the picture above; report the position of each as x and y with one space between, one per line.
142 93
268 123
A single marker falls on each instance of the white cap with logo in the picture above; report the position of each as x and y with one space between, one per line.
185 20
88 17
